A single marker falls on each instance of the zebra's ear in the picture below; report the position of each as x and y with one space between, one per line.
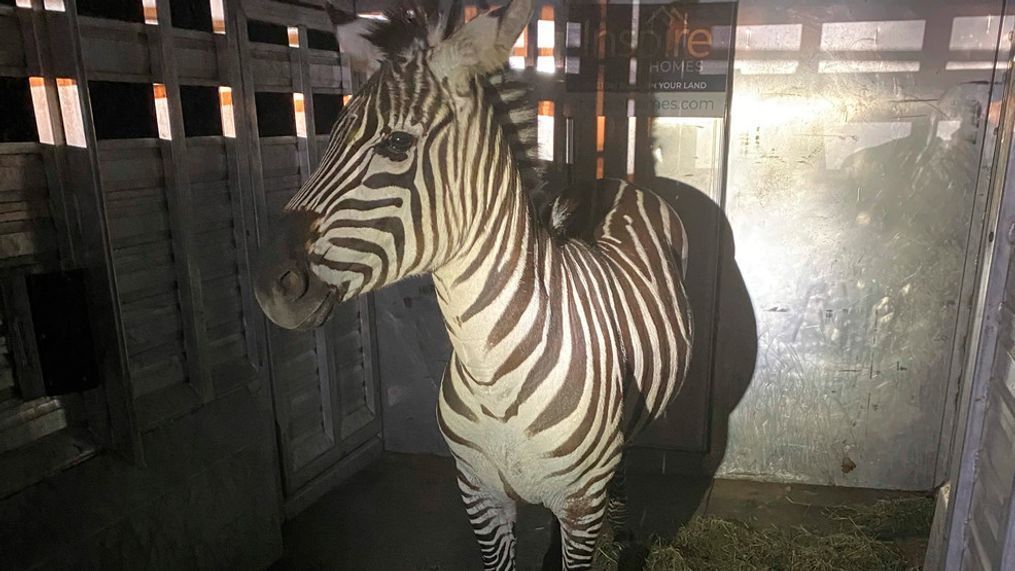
483 45
352 33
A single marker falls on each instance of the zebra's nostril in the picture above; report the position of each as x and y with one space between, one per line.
293 284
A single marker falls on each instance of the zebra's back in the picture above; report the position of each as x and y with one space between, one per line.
643 240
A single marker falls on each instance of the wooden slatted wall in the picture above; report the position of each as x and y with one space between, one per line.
167 218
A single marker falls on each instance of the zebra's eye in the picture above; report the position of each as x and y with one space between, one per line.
399 142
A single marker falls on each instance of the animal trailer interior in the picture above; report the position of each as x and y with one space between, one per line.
840 169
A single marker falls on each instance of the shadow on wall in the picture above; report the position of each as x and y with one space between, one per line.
668 484
414 349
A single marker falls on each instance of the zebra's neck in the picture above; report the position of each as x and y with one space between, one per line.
486 290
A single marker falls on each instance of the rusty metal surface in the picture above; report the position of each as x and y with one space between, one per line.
852 191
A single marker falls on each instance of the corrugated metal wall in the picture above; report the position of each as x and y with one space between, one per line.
975 523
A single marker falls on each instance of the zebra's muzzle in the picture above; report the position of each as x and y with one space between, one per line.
289 293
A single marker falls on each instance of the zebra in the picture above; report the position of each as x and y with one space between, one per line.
569 323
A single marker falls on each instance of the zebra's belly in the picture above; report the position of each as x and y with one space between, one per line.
504 455
502 460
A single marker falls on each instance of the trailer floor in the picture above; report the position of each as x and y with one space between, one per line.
404 513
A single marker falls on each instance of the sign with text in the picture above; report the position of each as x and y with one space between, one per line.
673 58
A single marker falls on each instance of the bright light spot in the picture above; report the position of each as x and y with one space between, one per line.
301 116
151 12
545 64
23 3
54 6
544 34
373 16
70 109
520 42
891 36
632 129
544 131
516 62
346 99
40 104
162 112
974 65
572 64
226 110
294 37
750 112
218 17
770 38
879 66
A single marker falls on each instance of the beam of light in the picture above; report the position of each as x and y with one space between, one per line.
40 104
70 109
226 110
162 112
544 130
519 51
218 17
974 65
545 41
770 38
632 123
878 66
151 13
887 36
301 115
766 67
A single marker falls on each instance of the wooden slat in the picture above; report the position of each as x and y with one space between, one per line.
207 162
196 60
12 52
112 47
325 76
272 71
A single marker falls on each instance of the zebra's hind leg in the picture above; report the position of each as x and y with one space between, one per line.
492 515
632 554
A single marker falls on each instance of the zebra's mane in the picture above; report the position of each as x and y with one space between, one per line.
417 26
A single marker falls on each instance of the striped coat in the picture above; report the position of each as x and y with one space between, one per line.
570 331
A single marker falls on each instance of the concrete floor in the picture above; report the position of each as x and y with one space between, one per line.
404 513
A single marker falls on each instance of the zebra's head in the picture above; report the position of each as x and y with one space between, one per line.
393 181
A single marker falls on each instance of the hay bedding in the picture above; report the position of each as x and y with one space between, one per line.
872 537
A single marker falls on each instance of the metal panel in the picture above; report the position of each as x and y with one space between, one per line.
852 191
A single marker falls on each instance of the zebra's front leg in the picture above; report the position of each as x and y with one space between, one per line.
492 515
581 520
